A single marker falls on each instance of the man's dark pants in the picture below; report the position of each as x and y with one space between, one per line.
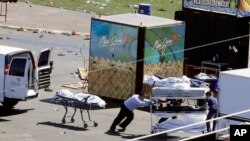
124 113
211 114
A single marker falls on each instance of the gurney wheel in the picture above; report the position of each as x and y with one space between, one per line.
85 125
63 121
95 124
72 120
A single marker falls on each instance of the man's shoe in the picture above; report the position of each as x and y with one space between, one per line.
112 132
122 129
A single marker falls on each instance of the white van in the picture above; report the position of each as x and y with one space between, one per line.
20 75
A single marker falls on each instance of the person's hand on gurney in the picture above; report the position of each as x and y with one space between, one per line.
154 103
150 103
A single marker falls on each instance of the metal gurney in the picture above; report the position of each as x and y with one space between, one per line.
81 101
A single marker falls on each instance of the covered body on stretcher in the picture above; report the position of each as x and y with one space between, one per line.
82 101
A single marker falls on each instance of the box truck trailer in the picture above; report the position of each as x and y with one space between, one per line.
20 75
125 47
233 98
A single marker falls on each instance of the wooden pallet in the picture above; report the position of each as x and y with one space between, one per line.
74 85
83 73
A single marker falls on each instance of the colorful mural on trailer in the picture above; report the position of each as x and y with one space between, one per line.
113 41
239 8
164 44
243 8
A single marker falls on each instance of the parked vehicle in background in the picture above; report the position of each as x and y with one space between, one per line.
21 76
233 98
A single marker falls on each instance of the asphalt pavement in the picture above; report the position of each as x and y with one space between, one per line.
39 119
51 19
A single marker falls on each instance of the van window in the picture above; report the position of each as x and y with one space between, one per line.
44 58
17 67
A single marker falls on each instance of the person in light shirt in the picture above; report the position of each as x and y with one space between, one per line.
126 114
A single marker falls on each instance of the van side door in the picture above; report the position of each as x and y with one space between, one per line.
43 68
16 80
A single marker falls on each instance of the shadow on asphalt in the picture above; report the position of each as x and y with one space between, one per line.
164 138
123 135
132 136
60 125
2 120
128 136
9 112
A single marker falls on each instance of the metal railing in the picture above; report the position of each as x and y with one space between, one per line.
192 70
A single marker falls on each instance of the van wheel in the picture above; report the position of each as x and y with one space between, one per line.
9 103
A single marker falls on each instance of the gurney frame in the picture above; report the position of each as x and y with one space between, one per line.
74 103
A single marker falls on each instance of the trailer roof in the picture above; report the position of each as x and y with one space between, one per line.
239 72
136 19
8 49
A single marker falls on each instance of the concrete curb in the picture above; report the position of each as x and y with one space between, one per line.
37 30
